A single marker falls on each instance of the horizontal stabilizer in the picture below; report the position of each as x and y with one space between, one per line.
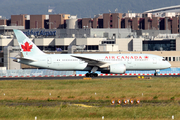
24 59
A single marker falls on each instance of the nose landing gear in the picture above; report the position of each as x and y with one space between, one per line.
156 72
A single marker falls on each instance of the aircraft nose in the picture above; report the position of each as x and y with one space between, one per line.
168 65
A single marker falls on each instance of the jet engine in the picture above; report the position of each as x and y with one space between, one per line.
116 69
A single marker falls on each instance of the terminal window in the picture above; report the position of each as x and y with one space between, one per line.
173 58
176 58
169 58
92 47
166 58
159 45
108 42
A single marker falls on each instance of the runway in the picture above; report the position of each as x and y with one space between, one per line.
79 77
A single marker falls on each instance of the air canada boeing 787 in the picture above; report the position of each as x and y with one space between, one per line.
106 63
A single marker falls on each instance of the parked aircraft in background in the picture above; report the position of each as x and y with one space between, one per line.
106 63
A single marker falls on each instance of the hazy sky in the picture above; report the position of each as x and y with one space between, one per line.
82 8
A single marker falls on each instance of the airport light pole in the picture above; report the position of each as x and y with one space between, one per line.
49 23
118 25
159 26
36 24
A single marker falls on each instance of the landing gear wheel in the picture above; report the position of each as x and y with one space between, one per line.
95 74
91 74
87 74
155 74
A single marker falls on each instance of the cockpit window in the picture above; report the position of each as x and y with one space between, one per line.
163 59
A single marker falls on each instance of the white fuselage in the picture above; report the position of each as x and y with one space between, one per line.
69 63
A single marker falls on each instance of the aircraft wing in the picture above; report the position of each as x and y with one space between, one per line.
92 62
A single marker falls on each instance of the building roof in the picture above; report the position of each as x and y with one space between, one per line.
165 9
5 27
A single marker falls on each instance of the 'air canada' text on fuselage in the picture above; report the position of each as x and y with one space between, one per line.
126 57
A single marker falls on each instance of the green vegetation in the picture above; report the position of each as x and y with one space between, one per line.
74 112
57 99
172 98
155 97
98 89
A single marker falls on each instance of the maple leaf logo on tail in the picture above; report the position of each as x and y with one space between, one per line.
26 47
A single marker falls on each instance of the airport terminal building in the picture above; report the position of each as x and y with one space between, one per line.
94 41
105 33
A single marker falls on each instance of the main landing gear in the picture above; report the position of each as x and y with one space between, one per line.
93 74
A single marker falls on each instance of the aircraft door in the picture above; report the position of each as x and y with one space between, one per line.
129 61
154 60
49 60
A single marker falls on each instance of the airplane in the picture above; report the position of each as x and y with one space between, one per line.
106 63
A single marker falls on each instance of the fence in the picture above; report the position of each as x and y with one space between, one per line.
34 73
165 71
52 73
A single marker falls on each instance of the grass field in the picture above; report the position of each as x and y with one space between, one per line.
54 99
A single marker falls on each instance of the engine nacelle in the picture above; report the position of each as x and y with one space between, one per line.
116 69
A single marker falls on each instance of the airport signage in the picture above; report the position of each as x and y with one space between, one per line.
40 33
